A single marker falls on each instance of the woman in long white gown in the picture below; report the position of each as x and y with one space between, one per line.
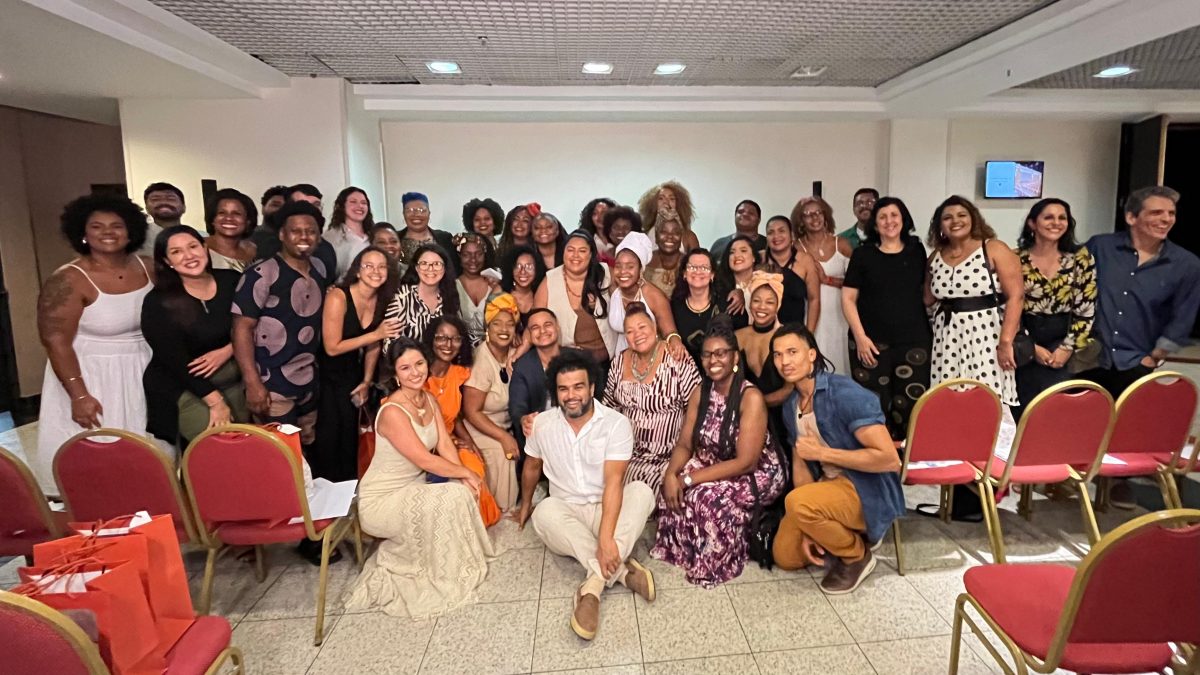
814 219
435 548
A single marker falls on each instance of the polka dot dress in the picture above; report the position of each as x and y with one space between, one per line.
965 344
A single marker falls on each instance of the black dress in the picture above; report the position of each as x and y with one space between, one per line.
793 309
180 328
334 455
692 326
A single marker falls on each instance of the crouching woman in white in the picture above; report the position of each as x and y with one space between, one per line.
591 515
420 500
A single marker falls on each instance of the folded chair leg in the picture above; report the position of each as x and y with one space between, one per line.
322 584
1025 503
992 512
956 636
949 510
260 563
1089 516
210 565
1168 484
899 548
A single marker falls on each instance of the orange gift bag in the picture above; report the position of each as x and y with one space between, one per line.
487 503
152 549
114 593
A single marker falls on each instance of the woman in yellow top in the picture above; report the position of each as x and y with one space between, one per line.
485 400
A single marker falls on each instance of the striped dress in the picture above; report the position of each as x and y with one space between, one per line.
655 409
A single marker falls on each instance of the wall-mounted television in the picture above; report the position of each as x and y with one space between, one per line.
1013 180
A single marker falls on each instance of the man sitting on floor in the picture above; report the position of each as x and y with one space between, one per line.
590 515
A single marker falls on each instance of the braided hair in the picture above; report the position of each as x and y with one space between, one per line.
721 328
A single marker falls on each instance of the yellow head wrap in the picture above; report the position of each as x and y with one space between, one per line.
503 302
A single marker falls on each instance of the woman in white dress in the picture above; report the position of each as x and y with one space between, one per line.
90 322
421 502
814 219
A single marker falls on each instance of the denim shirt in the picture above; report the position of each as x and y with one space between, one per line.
1142 307
843 407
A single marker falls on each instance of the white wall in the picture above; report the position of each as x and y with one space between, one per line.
364 152
563 165
1081 167
292 135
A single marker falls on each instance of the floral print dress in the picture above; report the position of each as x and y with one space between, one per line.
707 538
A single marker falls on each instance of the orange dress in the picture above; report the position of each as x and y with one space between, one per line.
448 392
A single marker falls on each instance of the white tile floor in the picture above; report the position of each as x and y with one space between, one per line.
765 622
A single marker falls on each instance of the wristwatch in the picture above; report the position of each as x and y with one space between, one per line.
687 480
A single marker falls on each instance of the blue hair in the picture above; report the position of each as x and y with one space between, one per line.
413 197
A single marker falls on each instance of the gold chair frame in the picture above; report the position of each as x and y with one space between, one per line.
1058 643
1167 474
169 470
44 511
330 537
1025 504
982 486
87 651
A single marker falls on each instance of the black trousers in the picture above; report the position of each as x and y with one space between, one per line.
1032 379
1114 380
900 376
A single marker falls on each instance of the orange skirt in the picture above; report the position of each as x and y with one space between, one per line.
487 504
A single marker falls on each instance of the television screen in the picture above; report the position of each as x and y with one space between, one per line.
1013 180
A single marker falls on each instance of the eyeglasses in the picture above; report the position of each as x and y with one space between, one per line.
443 339
526 267
699 268
864 202
417 210
811 214
430 265
716 354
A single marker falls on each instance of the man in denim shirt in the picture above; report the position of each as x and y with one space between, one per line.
1149 293
844 468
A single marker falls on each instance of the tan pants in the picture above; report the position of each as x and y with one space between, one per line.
574 529
830 513
501 471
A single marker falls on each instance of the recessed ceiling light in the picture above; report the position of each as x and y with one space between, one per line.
1116 71
810 71
669 69
443 67
597 68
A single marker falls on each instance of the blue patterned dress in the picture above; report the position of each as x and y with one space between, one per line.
707 538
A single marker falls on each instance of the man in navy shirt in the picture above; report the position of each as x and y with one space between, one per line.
1149 293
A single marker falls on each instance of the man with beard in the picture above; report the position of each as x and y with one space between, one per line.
864 205
746 217
591 514
165 206
277 324
527 391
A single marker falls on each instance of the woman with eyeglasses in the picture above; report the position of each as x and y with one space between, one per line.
417 231
695 301
724 464
352 329
814 218
651 387
548 237
450 344
485 401
427 290
521 272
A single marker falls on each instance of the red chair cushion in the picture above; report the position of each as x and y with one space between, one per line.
1136 464
250 534
1023 475
959 474
1031 616
32 646
199 647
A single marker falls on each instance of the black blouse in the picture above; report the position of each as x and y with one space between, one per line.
891 287
180 328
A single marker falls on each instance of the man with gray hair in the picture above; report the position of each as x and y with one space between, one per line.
1149 293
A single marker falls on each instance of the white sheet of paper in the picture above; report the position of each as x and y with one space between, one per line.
140 518
329 500
68 583
1008 434
1109 459
1189 451
934 464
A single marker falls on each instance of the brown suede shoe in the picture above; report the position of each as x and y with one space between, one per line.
844 577
639 580
585 620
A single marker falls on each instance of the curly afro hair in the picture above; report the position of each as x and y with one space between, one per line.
75 216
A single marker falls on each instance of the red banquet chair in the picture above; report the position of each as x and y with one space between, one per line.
39 640
1062 433
1153 418
25 516
109 473
953 427
245 485
1110 615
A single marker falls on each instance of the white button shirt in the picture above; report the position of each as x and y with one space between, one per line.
346 245
574 464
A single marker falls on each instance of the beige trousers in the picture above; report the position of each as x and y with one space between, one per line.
574 529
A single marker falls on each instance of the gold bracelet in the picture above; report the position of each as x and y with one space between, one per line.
673 335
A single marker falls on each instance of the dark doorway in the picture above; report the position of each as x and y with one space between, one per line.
1182 173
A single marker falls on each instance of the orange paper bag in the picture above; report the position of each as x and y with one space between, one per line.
114 593
152 549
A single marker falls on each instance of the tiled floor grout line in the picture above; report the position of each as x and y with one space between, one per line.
738 617
537 612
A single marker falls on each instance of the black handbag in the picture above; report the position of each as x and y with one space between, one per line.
1023 352
764 519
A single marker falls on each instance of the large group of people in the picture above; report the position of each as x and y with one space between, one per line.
637 372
